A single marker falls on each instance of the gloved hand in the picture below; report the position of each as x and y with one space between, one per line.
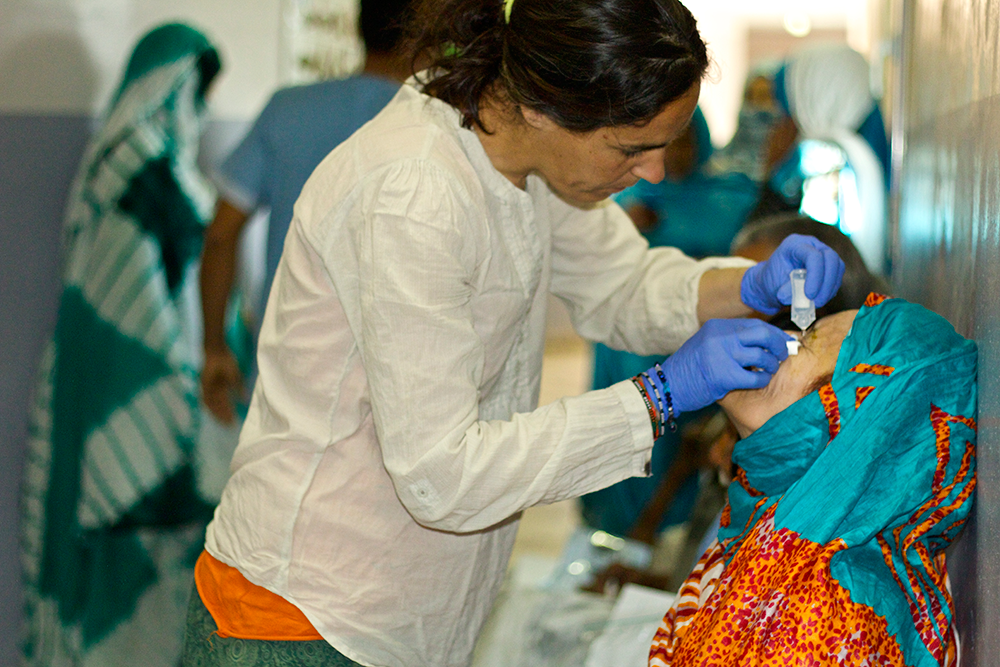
766 287
716 360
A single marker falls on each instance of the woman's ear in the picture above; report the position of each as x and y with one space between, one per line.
537 119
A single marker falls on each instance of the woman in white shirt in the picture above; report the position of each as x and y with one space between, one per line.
393 436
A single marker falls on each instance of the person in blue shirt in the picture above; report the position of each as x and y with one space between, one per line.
298 127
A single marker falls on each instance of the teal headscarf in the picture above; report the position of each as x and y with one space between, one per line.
167 44
879 463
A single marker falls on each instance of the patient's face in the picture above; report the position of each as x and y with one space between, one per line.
748 409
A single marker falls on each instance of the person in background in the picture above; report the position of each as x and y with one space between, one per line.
825 92
113 507
299 126
754 148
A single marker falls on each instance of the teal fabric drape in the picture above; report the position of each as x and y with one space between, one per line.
113 517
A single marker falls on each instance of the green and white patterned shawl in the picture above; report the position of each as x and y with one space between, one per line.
110 501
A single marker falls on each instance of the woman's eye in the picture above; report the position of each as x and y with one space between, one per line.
630 152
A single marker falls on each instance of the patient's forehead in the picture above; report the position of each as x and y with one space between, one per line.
827 335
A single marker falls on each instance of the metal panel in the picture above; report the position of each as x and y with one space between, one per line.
947 253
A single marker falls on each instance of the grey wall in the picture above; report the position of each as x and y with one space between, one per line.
948 250
38 156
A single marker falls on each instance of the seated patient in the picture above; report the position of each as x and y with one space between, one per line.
855 471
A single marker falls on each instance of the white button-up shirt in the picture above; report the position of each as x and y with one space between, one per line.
393 436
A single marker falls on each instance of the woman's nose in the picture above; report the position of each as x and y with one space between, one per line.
649 166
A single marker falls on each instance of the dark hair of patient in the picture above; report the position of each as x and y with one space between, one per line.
585 64
858 280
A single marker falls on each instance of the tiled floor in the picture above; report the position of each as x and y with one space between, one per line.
566 371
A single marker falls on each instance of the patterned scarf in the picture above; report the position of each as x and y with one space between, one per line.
832 546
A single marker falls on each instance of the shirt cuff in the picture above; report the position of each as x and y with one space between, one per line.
640 426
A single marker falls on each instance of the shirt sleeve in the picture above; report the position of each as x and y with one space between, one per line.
618 290
419 253
240 178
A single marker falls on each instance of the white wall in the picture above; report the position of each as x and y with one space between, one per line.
724 24
66 56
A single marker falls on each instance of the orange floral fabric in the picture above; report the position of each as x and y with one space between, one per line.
775 604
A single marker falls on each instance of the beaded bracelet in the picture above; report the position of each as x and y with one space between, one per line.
671 417
661 411
651 383
654 416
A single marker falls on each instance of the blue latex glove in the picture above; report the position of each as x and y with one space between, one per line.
767 288
716 360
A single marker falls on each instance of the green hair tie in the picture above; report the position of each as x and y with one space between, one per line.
507 6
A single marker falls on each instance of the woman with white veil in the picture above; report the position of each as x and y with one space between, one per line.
826 91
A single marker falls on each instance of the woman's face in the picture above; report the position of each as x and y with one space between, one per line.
586 168
748 409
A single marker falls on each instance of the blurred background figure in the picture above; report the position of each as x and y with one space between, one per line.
751 150
294 132
113 508
830 155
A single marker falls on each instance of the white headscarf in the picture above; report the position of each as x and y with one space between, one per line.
829 97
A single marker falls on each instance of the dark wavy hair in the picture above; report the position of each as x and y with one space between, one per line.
583 63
